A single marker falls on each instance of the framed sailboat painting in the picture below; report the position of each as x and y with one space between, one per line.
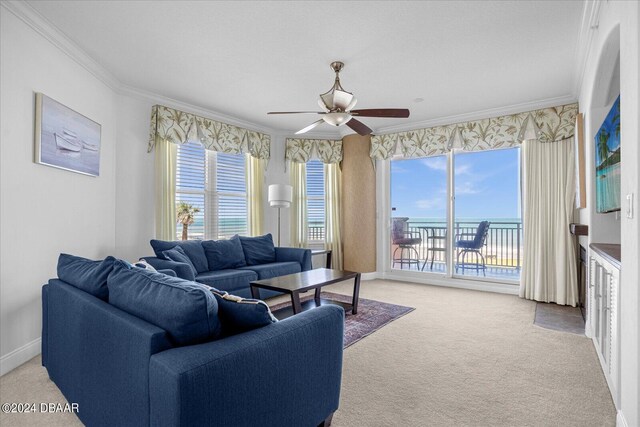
66 139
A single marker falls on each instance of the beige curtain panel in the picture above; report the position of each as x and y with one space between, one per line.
165 203
551 124
178 127
298 179
549 264
333 210
254 174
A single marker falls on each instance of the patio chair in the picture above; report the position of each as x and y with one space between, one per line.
406 242
472 246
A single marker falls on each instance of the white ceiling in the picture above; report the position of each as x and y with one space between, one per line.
243 59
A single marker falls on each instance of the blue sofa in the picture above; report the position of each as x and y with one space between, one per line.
126 371
256 260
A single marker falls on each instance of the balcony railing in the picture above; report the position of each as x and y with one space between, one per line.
503 248
315 232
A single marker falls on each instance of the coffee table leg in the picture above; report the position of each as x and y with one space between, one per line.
356 294
295 302
317 297
255 292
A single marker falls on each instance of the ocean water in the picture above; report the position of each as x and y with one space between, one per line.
608 188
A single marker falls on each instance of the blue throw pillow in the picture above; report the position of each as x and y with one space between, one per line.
258 250
239 315
85 274
177 255
224 254
193 249
186 310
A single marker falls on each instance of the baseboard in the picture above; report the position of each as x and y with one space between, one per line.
620 420
17 357
369 276
476 285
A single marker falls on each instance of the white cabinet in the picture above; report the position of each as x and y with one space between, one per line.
603 307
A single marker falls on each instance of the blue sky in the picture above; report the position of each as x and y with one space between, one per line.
487 185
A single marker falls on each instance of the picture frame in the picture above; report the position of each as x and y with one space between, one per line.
581 186
66 139
607 162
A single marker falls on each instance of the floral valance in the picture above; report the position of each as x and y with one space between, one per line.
179 127
547 124
302 150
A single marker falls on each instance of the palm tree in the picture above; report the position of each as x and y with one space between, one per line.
185 214
616 119
603 148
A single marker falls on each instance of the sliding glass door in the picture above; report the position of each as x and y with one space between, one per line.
488 225
457 214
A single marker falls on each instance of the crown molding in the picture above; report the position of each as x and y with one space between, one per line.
155 98
26 13
479 115
40 24
590 22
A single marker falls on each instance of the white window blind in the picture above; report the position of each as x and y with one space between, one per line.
315 201
231 195
215 183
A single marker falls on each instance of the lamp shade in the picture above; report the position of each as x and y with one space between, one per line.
280 195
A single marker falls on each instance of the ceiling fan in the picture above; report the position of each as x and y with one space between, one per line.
337 105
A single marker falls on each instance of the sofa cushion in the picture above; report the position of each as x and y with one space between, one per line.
177 254
85 274
193 249
188 311
274 269
224 254
239 314
258 250
227 280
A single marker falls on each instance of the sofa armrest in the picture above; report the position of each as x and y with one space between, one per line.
182 269
300 255
284 374
99 356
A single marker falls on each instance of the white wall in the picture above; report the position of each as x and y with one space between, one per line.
618 26
135 190
45 211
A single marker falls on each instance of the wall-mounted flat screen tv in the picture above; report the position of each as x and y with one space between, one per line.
607 157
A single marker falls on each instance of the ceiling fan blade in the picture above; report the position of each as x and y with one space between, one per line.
359 127
382 112
308 128
295 112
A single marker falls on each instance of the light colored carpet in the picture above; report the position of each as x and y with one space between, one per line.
461 358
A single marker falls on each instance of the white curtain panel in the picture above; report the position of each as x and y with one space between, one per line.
332 206
165 174
298 178
549 264
254 174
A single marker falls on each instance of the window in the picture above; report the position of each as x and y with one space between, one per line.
214 183
315 201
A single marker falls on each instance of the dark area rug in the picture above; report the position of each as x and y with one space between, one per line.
372 315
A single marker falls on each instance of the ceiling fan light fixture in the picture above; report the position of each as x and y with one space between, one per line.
336 119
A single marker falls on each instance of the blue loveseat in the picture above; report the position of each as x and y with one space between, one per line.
123 370
230 265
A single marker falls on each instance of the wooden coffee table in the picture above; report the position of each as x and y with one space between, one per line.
295 284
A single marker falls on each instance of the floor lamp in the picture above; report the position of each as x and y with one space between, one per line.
280 196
